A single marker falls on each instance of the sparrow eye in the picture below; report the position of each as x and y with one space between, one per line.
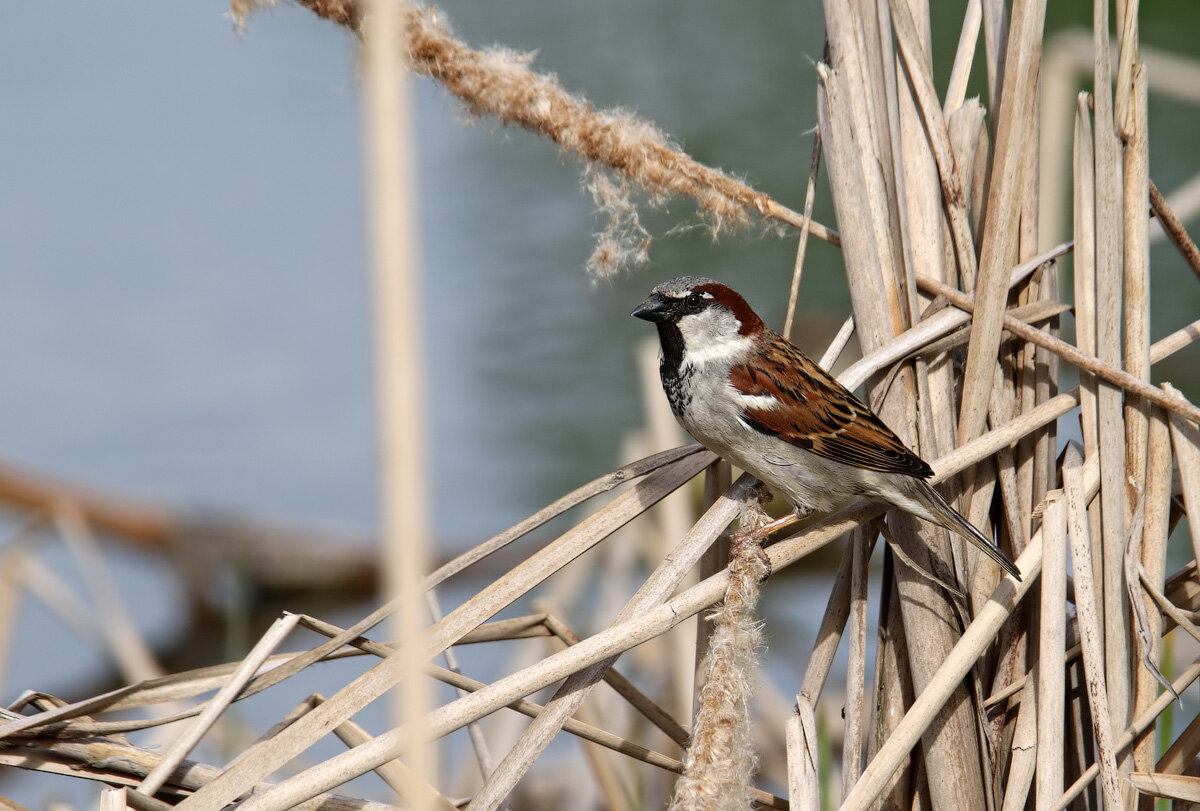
694 303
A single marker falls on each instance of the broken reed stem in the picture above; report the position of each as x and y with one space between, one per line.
810 195
1174 229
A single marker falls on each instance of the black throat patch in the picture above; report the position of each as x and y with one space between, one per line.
676 380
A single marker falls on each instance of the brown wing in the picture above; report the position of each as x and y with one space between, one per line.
818 414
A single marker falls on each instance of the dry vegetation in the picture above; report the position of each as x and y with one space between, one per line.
985 692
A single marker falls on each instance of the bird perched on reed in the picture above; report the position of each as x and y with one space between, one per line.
749 395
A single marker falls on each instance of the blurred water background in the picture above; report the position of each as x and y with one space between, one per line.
184 312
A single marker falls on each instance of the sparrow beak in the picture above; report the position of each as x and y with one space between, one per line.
655 308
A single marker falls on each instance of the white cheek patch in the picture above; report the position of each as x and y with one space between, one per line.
716 349
711 336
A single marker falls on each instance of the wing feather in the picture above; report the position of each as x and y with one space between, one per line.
816 413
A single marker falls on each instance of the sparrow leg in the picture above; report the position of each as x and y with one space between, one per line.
758 535
766 530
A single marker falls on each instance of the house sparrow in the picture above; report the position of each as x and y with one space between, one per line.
749 395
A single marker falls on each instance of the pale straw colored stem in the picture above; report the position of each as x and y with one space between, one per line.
1156 529
1185 438
1022 59
1088 608
856 665
810 195
1174 229
829 633
1052 643
838 344
372 684
1085 267
995 39
576 688
974 641
1112 373
916 63
964 57
395 773
1110 418
1024 762
651 711
400 381
804 781
1136 198
1134 730
125 642
218 704
479 744
630 633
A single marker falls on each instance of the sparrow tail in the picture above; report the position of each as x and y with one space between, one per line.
941 513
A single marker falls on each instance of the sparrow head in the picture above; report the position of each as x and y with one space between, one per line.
700 309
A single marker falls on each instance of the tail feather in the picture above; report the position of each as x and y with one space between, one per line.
941 513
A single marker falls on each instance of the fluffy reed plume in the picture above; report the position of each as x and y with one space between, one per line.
624 153
719 768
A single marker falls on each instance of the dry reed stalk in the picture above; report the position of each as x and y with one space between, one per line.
121 764
398 776
810 194
1108 349
974 640
608 643
575 689
626 689
1185 439
1078 493
1051 660
1153 559
892 692
125 643
1022 58
479 744
1024 761
218 704
829 633
804 783
864 130
483 605
399 368
1112 374
856 656
1136 244
964 56
1133 731
1174 229
995 38
587 732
